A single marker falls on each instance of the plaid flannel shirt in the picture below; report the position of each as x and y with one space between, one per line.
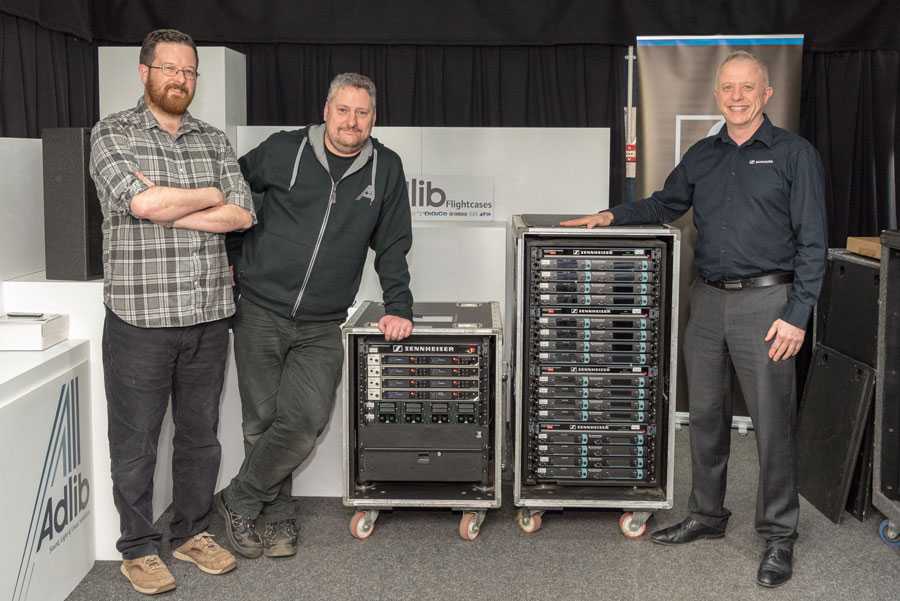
154 276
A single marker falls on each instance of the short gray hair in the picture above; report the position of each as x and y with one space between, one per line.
354 80
747 56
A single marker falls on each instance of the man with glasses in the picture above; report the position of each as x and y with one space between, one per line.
170 188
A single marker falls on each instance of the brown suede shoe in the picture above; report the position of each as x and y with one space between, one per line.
206 553
148 575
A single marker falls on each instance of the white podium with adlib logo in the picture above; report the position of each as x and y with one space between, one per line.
45 462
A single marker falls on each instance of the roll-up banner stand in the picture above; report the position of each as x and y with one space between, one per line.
676 78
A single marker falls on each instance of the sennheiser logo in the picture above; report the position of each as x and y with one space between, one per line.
595 253
418 348
761 162
63 494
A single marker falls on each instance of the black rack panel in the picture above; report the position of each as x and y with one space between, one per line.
594 339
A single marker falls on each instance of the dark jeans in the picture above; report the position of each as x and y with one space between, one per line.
143 367
287 375
728 327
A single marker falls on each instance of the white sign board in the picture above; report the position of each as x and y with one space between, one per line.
530 169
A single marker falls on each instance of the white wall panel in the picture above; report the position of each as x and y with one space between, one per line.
21 208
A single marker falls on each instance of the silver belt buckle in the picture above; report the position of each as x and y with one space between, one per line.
733 285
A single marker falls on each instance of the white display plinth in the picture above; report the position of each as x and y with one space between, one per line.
46 462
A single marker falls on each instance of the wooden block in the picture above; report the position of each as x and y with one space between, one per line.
868 247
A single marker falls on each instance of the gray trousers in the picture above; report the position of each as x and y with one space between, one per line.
287 375
728 327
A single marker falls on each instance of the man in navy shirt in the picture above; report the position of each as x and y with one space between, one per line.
758 197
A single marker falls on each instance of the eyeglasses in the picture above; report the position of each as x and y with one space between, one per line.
172 71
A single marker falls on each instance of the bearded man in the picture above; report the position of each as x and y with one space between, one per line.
170 188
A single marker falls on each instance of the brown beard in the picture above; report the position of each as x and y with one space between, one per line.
158 95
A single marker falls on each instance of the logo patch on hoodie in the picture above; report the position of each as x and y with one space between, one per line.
367 194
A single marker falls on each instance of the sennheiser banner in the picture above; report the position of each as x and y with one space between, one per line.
451 197
676 77
45 459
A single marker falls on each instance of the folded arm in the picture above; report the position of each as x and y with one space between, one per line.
162 204
217 220
233 207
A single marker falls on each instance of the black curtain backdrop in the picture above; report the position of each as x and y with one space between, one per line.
849 111
829 24
47 79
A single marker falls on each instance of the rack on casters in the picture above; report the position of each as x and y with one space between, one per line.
886 473
594 369
422 421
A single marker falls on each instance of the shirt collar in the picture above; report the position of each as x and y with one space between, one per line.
762 134
147 120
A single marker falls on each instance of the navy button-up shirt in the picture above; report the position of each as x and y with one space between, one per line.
758 208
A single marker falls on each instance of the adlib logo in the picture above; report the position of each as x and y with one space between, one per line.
470 197
423 193
63 494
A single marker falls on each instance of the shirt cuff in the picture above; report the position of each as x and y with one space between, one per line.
404 311
135 187
619 213
797 314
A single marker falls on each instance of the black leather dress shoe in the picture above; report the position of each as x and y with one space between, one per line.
776 566
686 531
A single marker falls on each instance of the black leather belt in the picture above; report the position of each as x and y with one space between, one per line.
771 279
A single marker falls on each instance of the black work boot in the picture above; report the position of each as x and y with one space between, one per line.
280 538
239 530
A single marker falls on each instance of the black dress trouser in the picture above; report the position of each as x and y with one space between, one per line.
728 327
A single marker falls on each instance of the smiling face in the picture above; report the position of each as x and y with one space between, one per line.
172 95
741 94
349 117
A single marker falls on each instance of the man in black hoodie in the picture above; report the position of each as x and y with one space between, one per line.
324 195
